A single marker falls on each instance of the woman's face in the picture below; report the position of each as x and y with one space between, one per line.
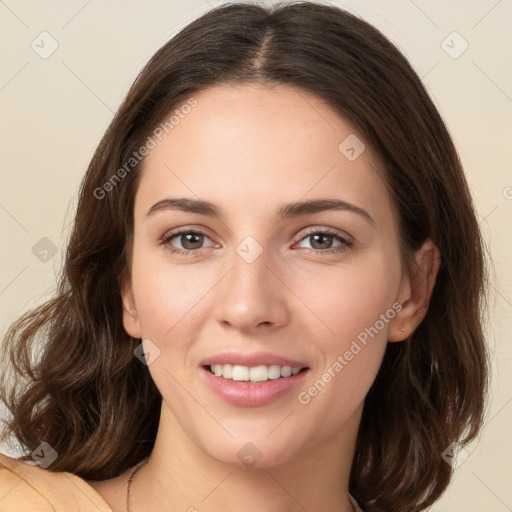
316 287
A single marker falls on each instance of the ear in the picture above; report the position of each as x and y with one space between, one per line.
415 292
130 317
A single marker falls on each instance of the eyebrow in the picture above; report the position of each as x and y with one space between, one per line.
289 210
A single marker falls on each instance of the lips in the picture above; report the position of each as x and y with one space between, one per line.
251 394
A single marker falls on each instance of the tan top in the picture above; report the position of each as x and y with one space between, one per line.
26 487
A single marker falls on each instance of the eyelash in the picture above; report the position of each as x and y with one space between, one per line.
345 243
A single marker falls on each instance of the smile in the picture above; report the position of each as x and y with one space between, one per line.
257 386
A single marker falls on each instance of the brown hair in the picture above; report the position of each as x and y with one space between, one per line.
96 404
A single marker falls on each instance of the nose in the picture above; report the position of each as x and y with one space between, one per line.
253 295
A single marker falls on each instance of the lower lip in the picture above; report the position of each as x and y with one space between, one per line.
252 394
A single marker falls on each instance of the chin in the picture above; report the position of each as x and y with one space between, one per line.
252 452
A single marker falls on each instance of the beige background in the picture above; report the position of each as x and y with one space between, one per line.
55 110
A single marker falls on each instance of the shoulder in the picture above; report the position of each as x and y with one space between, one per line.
26 487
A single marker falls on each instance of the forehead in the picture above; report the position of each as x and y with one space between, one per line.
257 146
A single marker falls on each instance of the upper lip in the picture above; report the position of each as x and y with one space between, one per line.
251 359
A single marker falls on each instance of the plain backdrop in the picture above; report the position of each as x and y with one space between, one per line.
55 107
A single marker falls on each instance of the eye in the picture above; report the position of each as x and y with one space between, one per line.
190 241
323 239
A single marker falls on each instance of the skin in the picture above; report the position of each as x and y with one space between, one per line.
249 149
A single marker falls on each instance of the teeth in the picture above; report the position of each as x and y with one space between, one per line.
239 372
286 371
274 371
258 373
227 371
253 374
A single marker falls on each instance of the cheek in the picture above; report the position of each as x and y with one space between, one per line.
171 300
352 308
167 296
344 301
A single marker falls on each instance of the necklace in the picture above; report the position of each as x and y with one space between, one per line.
129 484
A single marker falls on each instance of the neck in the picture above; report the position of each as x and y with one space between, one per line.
181 476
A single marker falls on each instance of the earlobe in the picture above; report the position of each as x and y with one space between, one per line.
416 292
130 317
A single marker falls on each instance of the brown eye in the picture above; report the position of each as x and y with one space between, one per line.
191 240
321 241
186 242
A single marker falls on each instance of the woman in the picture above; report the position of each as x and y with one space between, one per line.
271 298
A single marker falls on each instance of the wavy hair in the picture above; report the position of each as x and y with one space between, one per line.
92 400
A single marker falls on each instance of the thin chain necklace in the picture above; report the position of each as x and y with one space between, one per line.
129 484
